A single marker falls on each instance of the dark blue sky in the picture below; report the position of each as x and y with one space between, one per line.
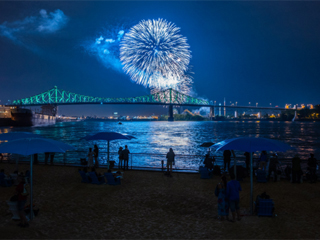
265 52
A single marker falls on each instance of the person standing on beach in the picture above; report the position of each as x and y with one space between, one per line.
296 169
273 166
96 155
170 160
46 157
223 203
233 189
22 193
312 164
226 159
247 155
120 157
125 154
51 158
263 160
90 158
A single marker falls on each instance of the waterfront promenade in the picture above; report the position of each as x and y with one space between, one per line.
151 205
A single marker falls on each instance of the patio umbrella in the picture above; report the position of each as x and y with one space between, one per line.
30 146
251 144
206 144
17 135
108 136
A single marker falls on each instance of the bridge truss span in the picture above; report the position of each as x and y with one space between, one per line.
57 96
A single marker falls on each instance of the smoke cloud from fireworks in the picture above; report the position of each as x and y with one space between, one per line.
106 48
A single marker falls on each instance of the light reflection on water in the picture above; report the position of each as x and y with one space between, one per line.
184 137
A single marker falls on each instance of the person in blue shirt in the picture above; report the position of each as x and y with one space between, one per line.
233 189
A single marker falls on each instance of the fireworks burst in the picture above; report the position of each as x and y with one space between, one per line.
155 55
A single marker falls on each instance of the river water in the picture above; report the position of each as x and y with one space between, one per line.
154 138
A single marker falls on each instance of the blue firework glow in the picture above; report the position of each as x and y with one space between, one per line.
155 55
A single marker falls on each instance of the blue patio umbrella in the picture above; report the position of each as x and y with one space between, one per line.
17 135
30 146
108 136
251 144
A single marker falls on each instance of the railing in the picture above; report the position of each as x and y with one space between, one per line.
147 161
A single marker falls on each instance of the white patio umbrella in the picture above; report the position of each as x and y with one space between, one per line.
108 136
251 144
30 146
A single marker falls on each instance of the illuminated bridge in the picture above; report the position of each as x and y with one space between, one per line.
168 97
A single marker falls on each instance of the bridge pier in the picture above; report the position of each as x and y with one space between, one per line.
170 114
211 116
236 114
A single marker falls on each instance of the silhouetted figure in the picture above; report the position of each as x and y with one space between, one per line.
223 202
208 162
296 169
90 158
46 157
273 166
96 155
51 158
22 192
226 159
312 164
247 155
35 159
125 153
233 189
263 160
120 157
170 160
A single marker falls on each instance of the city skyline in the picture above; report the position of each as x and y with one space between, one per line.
257 52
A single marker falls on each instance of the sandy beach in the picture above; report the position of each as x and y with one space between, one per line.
151 205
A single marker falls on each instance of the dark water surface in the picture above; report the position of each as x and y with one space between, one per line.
155 138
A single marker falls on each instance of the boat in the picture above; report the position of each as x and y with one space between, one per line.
120 123
24 117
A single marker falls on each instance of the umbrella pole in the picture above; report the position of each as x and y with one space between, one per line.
235 168
251 184
108 153
17 160
31 188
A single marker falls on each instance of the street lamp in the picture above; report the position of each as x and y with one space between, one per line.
256 104
270 105
236 103
249 103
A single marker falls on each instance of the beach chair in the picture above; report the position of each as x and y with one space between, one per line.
95 180
13 207
5 182
111 180
265 207
205 173
261 176
84 177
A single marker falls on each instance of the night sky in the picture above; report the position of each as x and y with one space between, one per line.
265 52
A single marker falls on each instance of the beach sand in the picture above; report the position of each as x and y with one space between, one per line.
151 205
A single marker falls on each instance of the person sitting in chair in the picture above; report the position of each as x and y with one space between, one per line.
208 162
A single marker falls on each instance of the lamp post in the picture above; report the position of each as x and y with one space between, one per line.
256 104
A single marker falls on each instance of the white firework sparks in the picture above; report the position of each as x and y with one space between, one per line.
155 55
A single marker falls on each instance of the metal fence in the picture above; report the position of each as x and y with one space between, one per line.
147 161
